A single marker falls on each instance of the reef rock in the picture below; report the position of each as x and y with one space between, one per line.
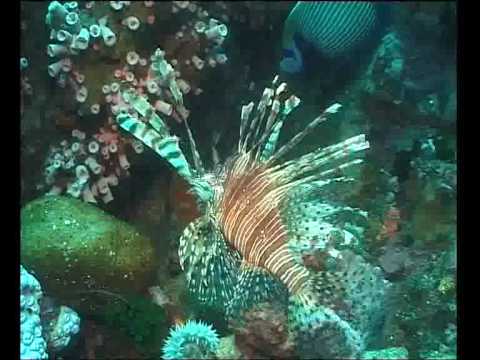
74 247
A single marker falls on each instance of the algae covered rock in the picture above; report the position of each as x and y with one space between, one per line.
75 247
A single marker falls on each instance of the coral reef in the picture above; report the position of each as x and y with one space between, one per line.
423 317
86 168
61 328
82 34
433 214
227 349
26 89
32 344
114 31
103 342
43 328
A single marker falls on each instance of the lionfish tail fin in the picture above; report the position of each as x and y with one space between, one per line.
350 286
341 307
364 289
319 331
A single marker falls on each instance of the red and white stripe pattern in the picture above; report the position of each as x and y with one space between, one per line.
250 219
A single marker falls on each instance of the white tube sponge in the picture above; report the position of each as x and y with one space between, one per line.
95 31
56 15
23 63
80 42
64 36
72 21
197 62
55 68
215 32
163 107
184 86
54 50
132 23
109 37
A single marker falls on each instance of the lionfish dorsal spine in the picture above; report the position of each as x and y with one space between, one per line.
244 123
197 161
301 135
164 145
315 162
264 141
259 113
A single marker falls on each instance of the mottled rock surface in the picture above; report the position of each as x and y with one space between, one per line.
73 247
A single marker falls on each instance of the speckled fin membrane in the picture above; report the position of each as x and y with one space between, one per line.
254 285
211 268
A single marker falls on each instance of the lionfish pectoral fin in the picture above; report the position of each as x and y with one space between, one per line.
158 139
254 285
211 267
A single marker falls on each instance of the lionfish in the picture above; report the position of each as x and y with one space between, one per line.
260 217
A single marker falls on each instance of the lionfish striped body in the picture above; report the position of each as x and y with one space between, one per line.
249 213
261 214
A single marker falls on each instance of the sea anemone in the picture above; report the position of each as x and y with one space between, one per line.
192 340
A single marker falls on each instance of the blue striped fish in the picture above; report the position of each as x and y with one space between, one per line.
333 28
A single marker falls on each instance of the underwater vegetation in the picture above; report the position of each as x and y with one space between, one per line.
181 201
140 319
